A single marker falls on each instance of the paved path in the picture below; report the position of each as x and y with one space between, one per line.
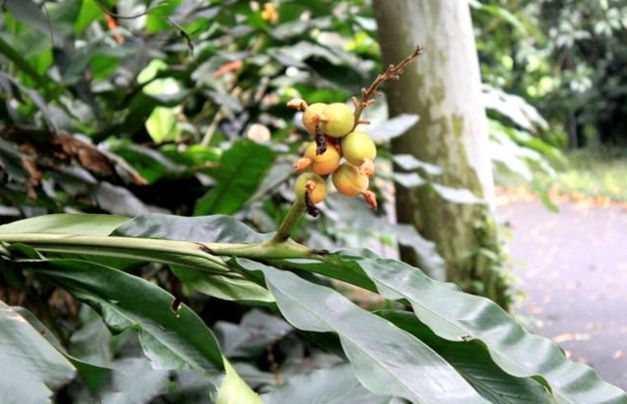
574 271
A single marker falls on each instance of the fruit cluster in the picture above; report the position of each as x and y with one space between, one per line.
338 150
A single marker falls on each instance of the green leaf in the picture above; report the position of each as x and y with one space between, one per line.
30 14
64 16
216 228
385 359
62 223
225 287
473 362
241 170
234 390
354 217
251 337
162 124
170 340
89 12
30 366
94 375
336 385
343 268
134 381
457 316
16 56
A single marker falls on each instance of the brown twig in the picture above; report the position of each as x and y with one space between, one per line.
393 72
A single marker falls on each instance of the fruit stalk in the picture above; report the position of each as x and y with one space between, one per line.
298 208
392 72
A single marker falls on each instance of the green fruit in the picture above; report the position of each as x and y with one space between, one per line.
338 120
317 194
310 114
358 148
324 163
349 181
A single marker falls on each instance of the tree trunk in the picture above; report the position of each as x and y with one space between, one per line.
444 88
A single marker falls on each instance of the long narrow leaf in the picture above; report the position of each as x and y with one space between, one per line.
385 359
62 223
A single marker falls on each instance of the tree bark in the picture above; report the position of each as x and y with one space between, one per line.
444 88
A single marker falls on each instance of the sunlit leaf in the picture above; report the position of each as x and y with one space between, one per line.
77 224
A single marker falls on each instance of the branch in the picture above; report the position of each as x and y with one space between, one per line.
393 72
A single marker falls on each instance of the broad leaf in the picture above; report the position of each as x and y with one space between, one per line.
336 385
352 216
225 287
30 366
134 381
385 359
472 361
94 375
74 224
457 316
171 340
252 336
217 228
209 229
241 170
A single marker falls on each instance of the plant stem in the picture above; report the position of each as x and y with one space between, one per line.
181 253
297 209
392 72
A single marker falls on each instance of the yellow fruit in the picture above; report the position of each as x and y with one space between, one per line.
312 183
349 181
309 117
324 163
338 120
358 148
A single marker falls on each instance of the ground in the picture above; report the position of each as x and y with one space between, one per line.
573 266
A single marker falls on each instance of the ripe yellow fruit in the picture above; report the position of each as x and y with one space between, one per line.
349 181
324 163
338 120
310 114
358 148
314 185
